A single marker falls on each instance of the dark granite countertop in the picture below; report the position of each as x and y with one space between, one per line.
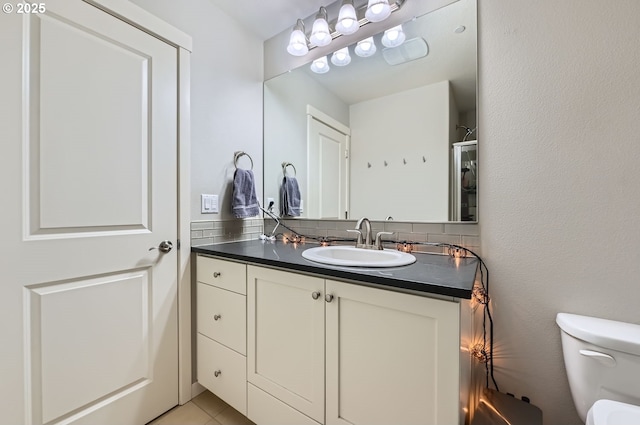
431 273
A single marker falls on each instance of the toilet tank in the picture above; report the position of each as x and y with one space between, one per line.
602 359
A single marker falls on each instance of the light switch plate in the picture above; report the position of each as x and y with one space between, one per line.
209 204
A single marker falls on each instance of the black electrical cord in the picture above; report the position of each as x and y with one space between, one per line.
460 251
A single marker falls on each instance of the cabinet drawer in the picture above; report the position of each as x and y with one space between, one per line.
265 409
223 274
231 383
222 316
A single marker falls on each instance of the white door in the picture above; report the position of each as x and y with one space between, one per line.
327 150
88 315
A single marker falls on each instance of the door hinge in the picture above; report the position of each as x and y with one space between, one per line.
346 154
178 244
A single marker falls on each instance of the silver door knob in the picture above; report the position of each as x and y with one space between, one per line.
328 298
164 247
315 295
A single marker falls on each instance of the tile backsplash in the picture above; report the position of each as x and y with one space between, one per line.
214 232
464 234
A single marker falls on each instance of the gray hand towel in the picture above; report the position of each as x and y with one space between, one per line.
290 197
245 201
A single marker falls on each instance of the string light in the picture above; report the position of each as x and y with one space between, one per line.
479 352
479 295
404 247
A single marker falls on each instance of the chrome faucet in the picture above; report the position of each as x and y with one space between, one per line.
367 243
367 227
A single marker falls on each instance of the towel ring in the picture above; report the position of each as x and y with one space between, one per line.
284 168
237 156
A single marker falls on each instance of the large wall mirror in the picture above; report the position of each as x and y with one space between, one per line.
391 135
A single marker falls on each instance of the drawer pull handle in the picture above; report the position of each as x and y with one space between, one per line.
217 373
216 274
328 298
217 316
315 295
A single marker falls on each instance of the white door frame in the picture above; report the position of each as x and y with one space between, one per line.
318 115
140 18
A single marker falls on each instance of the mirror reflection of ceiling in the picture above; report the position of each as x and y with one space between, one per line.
452 56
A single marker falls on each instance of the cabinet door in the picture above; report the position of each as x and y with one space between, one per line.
285 342
391 357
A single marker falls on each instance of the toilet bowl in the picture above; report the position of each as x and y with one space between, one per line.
602 360
609 412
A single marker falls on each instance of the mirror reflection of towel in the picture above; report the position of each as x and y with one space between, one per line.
245 201
290 197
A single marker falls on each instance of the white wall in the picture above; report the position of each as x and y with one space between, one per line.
414 123
559 109
226 97
285 127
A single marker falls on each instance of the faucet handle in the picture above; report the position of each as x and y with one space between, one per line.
379 238
359 241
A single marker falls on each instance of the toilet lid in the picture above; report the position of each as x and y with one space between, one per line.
609 412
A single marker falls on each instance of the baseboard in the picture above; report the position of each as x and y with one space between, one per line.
196 389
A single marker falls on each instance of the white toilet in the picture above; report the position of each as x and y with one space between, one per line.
602 359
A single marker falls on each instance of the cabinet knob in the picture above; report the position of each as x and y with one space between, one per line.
328 298
217 316
216 274
315 295
217 373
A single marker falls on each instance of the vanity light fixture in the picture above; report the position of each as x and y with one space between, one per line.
377 10
347 23
320 35
393 37
320 65
347 19
365 48
298 40
341 57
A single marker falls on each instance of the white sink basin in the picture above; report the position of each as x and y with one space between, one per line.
358 257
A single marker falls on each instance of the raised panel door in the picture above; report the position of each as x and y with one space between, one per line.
89 182
285 341
391 357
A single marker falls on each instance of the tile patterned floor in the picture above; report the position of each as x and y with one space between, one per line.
205 409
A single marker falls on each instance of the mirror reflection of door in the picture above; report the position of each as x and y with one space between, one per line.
327 165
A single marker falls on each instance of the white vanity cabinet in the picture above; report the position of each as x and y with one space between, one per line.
221 321
329 352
